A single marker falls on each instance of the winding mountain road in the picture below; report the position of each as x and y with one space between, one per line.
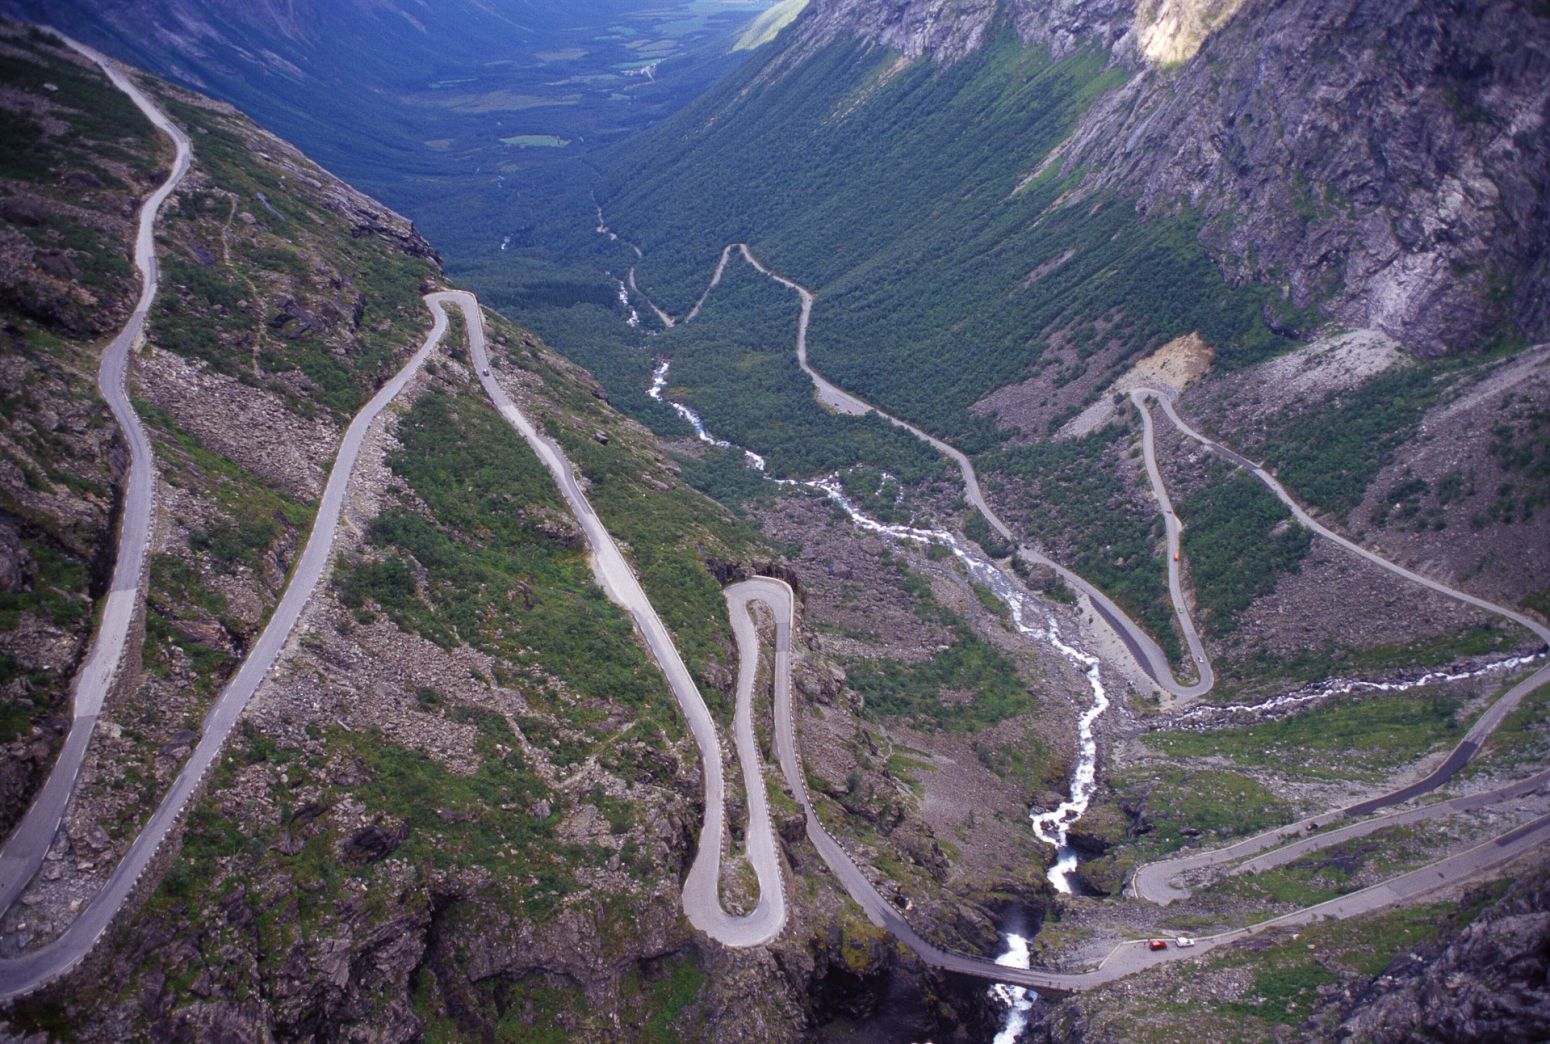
1175 531
1155 880
701 889
27 847
1160 882
1301 514
28 843
1143 649
1126 958
30 971
38 967
701 899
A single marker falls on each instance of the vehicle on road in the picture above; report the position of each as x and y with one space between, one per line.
487 371
1157 944
1184 942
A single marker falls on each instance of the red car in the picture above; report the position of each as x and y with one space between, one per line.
1157 944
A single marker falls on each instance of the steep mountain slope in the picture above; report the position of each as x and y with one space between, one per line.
961 185
1468 969
77 156
462 803
1386 163
1381 161
1011 217
451 112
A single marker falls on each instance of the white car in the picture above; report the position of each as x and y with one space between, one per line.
1184 942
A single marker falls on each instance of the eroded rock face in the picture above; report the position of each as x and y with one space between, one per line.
1490 982
947 30
1386 159
1169 31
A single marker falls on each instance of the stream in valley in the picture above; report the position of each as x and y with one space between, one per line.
1212 716
1033 622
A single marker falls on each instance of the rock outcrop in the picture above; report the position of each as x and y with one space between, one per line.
1491 981
1384 161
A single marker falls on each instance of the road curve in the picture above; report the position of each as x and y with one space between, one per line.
1161 883
1127 958
715 281
25 973
1143 649
30 971
1302 516
1147 654
24 850
701 894
1155 881
1175 530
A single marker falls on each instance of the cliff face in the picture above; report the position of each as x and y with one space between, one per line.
1488 982
1384 161
1387 159
946 30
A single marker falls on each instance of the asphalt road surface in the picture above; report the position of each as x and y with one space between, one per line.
1302 516
1155 881
1129 957
701 894
701 888
35 968
1161 882
1147 654
1175 530
24 850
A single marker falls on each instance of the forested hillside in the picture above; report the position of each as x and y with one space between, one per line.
900 193
1047 493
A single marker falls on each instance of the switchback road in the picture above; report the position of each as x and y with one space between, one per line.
1302 515
1126 958
24 850
701 894
1161 882
1147 654
701 898
35 968
1157 881
1175 530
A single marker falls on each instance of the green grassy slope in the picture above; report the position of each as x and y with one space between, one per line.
898 194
